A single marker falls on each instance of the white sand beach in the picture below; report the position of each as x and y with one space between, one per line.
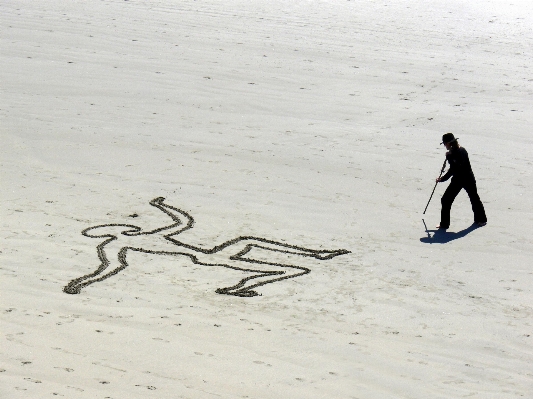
301 126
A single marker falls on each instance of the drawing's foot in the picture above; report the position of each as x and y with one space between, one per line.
246 294
241 293
331 254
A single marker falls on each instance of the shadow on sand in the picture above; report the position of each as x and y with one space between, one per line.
441 236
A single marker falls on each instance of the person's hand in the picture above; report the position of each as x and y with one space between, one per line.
438 180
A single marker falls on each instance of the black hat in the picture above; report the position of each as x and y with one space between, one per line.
448 138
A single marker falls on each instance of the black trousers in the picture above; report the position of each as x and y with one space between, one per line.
449 196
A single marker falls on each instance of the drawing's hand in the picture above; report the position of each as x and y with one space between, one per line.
158 200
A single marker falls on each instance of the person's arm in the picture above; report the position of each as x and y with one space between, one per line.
450 171
446 176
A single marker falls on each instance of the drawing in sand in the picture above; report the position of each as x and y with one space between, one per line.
232 254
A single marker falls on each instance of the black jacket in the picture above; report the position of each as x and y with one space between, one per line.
460 167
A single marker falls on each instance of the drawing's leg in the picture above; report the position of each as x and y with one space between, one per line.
241 245
277 272
246 243
246 286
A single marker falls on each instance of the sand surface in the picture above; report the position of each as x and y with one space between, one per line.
314 124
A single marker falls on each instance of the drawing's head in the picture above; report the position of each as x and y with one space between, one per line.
111 230
450 141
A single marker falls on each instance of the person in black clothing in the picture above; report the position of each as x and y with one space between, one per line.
462 177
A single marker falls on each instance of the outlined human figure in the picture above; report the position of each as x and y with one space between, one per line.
232 254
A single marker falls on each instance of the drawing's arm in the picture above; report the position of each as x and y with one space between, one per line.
177 215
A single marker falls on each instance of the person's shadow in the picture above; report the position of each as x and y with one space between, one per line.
441 236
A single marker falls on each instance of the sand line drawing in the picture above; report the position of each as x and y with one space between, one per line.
233 254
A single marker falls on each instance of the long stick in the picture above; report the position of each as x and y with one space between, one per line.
441 172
